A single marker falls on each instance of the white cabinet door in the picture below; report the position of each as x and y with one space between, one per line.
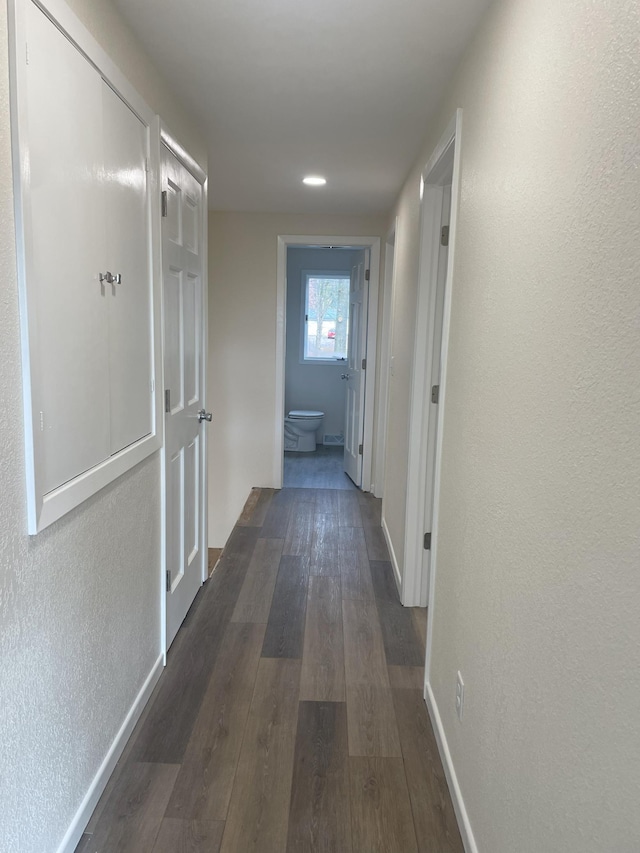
184 352
127 256
64 256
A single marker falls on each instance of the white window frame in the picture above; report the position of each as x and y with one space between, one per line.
306 275
45 508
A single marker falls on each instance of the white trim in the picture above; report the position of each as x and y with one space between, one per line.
446 321
182 155
459 807
45 508
445 159
62 500
388 289
70 25
99 783
373 244
394 560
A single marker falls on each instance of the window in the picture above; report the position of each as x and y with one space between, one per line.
325 324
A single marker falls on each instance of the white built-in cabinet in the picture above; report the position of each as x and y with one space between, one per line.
85 223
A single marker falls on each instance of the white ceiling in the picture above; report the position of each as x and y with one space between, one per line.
284 88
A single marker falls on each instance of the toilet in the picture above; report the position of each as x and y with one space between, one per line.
300 428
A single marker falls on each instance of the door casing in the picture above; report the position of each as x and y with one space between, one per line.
306 241
443 168
386 348
357 350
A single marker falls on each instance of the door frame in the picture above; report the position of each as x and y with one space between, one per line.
163 136
313 242
418 590
386 348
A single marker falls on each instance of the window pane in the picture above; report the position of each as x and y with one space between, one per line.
326 334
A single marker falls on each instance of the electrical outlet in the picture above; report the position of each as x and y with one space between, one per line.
459 696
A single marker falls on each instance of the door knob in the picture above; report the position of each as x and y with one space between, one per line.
204 416
345 376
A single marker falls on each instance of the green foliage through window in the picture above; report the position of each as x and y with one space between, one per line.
326 326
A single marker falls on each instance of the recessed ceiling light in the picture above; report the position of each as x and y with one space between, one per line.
314 181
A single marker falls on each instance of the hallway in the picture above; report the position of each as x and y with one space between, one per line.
290 715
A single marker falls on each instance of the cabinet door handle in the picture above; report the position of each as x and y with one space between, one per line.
110 277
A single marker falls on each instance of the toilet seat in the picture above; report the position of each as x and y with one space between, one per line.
302 414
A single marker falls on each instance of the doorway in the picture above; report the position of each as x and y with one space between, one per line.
326 338
439 195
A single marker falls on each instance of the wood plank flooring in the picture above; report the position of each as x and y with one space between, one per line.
290 717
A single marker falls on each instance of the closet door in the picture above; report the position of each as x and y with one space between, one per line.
64 256
128 257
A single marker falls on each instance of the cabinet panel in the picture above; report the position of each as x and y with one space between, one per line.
65 254
127 254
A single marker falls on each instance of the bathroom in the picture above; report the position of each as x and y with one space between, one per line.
317 326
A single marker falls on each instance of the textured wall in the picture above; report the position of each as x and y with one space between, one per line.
79 603
538 588
312 386
242 348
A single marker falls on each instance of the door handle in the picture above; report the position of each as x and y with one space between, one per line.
204 416
345 376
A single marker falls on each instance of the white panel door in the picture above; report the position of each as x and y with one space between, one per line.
184 353
65 128
128 259
354 373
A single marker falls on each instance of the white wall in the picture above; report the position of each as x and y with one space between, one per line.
312 386
538 586
242 341
79 603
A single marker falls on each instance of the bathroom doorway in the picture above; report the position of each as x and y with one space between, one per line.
327 308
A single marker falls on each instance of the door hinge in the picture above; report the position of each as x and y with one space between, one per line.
364 363
367 273
435 393
444 235
167 400
26 53
168 580
165 203
41 421
427 541
360 450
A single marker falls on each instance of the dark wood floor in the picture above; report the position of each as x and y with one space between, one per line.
322 469
290 715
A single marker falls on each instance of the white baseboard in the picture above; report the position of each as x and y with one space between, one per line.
464 825
90 801
392 554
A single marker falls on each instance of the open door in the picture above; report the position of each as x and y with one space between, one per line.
184 369
355 369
